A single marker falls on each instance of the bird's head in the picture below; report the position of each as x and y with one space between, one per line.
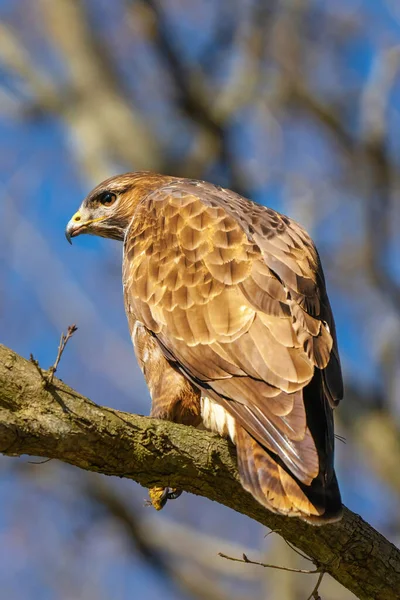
109 208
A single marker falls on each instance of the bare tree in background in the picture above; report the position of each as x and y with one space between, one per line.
268 98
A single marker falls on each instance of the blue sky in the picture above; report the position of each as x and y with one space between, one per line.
45 284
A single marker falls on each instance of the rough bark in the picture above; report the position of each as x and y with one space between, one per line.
57 422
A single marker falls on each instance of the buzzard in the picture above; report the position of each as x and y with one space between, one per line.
232 328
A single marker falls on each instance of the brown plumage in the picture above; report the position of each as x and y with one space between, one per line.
232 327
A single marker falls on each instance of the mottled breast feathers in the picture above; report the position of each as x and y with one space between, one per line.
235 296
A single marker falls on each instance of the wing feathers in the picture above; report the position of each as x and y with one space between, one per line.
299 456
268 482
235 294
290 364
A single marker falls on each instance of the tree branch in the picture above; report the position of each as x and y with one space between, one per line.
57 422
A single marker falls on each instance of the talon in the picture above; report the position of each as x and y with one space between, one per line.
173 493
159 496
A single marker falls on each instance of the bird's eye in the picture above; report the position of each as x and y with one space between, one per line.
107 199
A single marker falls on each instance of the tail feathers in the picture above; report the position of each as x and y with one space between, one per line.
267 479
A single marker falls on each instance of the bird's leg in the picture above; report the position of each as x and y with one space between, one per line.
173 397
179 403
159 496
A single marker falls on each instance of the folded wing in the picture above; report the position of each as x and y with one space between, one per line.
235 296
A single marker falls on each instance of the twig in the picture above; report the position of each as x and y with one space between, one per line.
245 559
314 594
39 370
298 551
290 545
63 342
47 378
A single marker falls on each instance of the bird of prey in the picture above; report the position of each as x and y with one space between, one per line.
232 328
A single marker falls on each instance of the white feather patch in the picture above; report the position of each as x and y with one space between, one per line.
217 419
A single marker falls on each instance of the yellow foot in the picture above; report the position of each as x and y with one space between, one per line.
160 495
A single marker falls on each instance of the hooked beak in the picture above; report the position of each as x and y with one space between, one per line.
68 235
77 225
74 226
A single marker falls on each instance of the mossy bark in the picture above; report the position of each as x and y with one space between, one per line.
54 421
